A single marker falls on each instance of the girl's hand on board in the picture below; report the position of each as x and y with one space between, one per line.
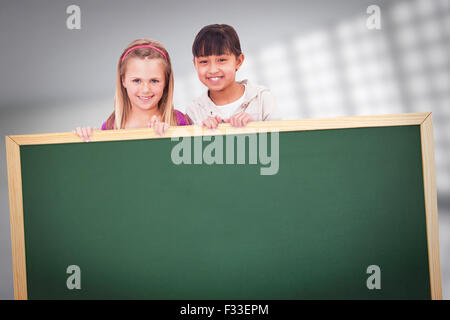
212 122
84 133
159 126
239 119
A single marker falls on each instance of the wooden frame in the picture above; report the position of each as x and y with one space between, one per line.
13 144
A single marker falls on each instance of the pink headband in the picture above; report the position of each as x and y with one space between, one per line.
143 46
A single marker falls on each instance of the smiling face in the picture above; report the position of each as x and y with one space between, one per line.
218 72
144 80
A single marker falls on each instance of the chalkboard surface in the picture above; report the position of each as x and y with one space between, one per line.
141 227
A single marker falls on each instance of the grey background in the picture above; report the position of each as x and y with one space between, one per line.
318 57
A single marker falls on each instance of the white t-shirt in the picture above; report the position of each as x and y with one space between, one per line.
228 110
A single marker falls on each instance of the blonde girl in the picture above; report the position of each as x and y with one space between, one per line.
144 91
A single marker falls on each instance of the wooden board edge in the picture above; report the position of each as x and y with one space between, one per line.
253 127
16 218
431 208
426 116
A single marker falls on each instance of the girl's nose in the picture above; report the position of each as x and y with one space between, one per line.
213 67
146 87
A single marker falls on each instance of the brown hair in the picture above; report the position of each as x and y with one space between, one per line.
122 105
216 39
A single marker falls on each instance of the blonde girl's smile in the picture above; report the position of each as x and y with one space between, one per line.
145 99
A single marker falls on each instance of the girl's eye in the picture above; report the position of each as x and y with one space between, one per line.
136 80
203 62
155 81
222 60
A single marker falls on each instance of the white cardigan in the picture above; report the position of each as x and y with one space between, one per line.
258 102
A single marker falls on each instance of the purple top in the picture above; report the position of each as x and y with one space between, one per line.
180 118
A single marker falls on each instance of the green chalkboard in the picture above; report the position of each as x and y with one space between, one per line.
140 226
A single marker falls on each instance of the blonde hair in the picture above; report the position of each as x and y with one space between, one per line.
122 104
